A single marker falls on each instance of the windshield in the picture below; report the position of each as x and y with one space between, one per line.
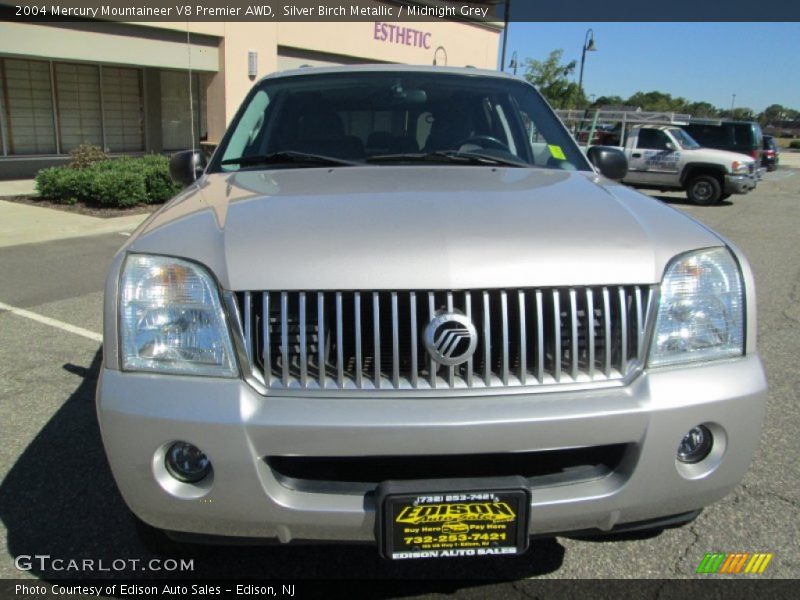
395 117
686 141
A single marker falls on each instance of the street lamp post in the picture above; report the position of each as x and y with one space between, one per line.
506 12
512 64
588 44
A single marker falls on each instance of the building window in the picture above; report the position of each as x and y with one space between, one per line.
78 101
52 107
28 107
176 118
123 114
111 116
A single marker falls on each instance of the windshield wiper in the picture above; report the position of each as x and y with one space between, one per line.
288 156
449 156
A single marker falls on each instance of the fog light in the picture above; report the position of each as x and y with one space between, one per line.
695 445
187 463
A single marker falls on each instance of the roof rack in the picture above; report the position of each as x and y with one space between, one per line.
707 121
594 119
626 116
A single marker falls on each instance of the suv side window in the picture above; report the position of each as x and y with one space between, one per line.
652 139
743 134
709 134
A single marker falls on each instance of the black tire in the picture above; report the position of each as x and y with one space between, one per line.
704 190
772 167
724 197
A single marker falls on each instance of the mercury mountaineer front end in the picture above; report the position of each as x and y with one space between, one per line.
443 350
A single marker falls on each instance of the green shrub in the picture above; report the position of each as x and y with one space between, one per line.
61 184
160 187
125 181
117 188
46 183
795 144
86 154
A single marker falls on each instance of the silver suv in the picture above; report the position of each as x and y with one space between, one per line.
399 305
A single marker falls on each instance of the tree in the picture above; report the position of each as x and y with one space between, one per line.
772 113
552 78
776 112
657 102
608 101
702 109
738 114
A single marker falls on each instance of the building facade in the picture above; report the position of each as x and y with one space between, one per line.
159 87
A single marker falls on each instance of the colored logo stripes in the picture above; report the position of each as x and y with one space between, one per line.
734 562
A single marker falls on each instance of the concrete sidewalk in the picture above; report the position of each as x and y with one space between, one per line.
18 187
24 224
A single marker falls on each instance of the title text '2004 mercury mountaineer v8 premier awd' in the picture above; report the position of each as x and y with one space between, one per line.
400 306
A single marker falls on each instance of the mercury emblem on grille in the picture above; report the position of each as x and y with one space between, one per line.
450 338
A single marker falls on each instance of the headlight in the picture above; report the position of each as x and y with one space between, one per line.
171 319
701 312
740 167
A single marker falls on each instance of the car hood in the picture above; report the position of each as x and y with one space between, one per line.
412 227
723 156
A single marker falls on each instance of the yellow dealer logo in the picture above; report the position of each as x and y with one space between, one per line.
497 512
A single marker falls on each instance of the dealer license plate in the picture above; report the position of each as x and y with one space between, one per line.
470 521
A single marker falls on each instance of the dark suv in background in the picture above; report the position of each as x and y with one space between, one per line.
772 155
744 137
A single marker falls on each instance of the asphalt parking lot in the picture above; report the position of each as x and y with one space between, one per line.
57 496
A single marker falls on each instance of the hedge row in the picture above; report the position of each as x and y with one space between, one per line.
795 144
117 182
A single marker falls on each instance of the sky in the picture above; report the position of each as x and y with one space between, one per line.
699 61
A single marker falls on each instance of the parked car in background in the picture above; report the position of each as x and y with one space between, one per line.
771 155
667 158
604 135
743 137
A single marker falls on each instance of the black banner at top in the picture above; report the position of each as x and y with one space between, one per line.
485 11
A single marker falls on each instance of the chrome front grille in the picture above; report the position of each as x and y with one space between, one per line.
350 340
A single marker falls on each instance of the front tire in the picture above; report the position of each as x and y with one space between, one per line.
704 190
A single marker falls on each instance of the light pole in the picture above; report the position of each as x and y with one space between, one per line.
733 99
512 64
506 12
588 44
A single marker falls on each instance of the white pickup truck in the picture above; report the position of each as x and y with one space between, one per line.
667 158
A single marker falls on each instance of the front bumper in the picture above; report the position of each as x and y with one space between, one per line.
141 414
739 184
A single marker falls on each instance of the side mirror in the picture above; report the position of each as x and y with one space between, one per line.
185 167
611 162
671 147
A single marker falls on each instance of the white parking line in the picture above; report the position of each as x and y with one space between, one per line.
21 312
125 233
